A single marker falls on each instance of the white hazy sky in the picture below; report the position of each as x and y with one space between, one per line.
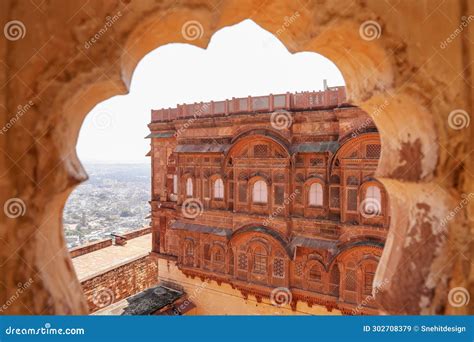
241 60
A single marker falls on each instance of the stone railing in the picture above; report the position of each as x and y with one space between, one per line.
330 98
120 239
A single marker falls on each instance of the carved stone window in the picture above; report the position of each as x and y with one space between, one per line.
334 197
260 192
219 189
315 273
372 204
368 280
352 180
260 151
189 187
279 194
242 193
351 199
242 262
260 261
279 268
315 197
373 151
218 256
299 266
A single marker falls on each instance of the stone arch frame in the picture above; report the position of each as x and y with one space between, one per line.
415 171
212 179
251 182
240 141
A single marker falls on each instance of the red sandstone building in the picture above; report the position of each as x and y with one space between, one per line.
271 192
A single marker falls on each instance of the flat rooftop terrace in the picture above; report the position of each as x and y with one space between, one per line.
105 259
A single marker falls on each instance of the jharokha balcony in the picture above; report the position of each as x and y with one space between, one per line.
274 195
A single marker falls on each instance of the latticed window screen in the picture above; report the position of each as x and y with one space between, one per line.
334 197
373 151
316 162
352 180
279 194
315 273
231 190
242 262
260 263
219 255
300 161
189 248
368 280
299 195
351 280
207 252
299 178
260 150
205 185
217 160
279 268
242 192
299 269
352 199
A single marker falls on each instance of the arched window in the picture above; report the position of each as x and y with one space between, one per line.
175 184
260 194
315 273
316 195
189 187
219 188
373 200
260 260
218 256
